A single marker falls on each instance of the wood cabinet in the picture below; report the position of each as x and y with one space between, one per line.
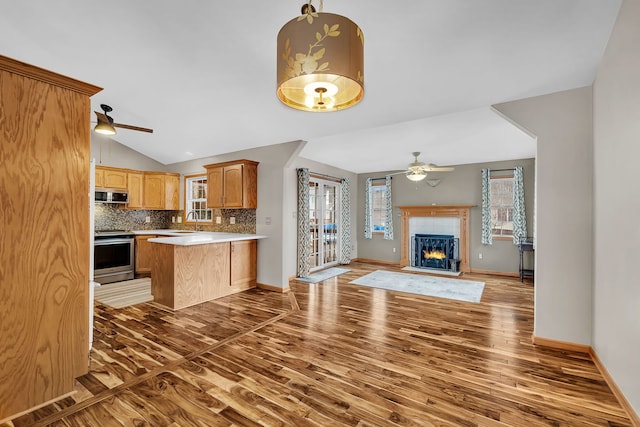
135 186
108 177
161 190
44 243
244 257
232 184
187 275
144 255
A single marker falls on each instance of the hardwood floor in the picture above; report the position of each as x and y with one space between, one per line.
332 354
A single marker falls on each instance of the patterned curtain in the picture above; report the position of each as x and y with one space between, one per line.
345 223
487 238
304 229
388 214
368 209
519 217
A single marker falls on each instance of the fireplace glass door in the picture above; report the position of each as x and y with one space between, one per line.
324 209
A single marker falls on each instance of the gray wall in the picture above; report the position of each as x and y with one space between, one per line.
564 183
461 187
109 152
616 298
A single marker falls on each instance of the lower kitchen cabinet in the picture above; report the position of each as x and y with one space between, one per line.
144 255
244 256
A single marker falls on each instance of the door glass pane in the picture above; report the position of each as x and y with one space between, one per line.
330 228
314 252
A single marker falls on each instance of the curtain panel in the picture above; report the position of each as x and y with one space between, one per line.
388 214
304 228
487 237
368 209
519 217
345 226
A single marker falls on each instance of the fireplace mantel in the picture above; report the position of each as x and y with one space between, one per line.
454 211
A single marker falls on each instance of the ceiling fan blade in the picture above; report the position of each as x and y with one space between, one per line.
433 168
138 128
102 117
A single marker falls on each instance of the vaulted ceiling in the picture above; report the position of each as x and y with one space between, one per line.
202 74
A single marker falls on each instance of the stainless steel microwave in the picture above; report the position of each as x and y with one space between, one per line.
111 196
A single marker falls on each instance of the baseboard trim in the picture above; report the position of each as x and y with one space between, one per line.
495 273
284 290
635 419
560 345
377 261
581 348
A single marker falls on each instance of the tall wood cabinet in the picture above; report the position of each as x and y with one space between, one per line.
44 243
232 184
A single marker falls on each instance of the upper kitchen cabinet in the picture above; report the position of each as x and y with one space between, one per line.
114 178
135 187
232 184
45 146
161 190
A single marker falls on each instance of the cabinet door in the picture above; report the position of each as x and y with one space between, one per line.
144 255
215 179
153 191
99 178
232 197
135 183
244 257
172 193
115 179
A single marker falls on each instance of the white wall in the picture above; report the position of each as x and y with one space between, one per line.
616 315
563 125
109 152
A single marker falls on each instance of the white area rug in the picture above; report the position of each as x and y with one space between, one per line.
441 287
432 270
124 294
323 275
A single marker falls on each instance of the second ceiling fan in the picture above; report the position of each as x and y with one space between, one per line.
417 171
106 125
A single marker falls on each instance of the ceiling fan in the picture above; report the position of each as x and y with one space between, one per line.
107 126
417 171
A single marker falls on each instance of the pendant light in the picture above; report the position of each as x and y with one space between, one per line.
320 62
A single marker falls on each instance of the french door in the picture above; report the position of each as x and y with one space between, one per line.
324 211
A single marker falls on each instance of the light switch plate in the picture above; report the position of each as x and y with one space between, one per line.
232 220
218 220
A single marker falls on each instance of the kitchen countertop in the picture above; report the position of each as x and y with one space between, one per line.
188 238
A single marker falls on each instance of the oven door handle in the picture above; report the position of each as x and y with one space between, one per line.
111 241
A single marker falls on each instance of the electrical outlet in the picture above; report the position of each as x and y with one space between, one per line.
218 220
179 219
173 219
394 250
479 255
267 220
147 219
232 220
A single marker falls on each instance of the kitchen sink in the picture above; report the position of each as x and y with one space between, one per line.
183 231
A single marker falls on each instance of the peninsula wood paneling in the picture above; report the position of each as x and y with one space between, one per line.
44 243
187 275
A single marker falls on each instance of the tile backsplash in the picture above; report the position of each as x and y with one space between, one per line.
114 217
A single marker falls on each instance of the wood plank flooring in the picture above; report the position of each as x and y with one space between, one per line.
333 354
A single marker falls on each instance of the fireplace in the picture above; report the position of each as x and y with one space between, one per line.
437 251
460 212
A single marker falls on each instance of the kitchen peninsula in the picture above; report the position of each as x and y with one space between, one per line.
195 267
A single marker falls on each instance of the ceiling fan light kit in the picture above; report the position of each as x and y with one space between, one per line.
320 62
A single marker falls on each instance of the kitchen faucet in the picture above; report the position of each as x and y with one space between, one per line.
195 218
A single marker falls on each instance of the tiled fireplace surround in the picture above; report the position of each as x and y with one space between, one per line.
451 220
